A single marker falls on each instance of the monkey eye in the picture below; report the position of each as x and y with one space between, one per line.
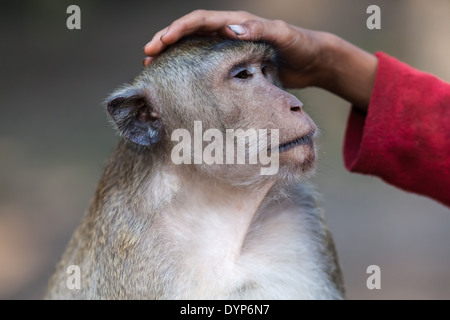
244 74
264 69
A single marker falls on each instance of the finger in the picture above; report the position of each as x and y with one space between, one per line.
276 31
202 20
147 61
199 20
250 30
155 46
227 33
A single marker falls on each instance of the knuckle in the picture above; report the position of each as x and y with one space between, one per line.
252 22
244 13
199 12
255 27
180 23
280 24
163 31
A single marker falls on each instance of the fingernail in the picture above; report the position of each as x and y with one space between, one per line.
239 30
147 61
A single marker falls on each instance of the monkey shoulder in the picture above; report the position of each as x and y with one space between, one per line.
284 249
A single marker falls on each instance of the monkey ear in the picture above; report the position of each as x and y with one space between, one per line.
136 118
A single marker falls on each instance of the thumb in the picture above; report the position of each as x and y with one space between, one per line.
252 30
277 32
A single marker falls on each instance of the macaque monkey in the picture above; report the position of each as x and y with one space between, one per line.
164 228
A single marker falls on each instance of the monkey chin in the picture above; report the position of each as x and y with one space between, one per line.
299 162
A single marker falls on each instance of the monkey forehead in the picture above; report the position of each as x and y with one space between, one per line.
199 54
257 50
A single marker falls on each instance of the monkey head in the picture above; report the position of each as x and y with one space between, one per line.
202 89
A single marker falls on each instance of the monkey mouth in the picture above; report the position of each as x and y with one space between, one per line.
304 140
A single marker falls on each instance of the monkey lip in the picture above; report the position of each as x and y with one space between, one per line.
304 140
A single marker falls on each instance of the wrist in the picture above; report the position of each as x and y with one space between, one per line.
346 70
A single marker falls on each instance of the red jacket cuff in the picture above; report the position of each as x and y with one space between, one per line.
404 138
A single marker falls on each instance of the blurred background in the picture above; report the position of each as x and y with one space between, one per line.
55 138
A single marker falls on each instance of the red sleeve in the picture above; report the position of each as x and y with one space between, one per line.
405 137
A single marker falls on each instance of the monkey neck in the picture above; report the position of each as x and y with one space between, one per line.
195 190
208 207
183 200
212 192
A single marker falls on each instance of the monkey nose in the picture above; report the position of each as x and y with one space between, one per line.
294 104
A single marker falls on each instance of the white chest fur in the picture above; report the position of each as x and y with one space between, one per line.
276 254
